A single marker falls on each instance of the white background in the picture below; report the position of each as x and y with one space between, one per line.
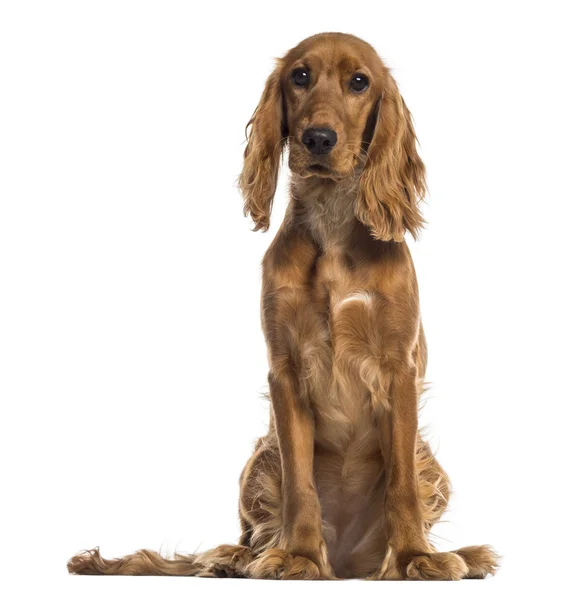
131 357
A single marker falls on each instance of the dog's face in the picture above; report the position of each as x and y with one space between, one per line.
331 89
335 105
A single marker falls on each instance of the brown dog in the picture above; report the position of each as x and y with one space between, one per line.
342 485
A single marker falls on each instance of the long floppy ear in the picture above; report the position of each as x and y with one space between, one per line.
393 180
266 140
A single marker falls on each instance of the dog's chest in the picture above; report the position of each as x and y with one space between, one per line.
331 279
340 398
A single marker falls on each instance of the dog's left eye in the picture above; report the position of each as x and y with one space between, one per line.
359 82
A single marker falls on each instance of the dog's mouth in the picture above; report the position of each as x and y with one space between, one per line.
308 166
320 170
317 168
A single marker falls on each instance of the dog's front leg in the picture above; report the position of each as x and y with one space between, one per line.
299 357
296 341
301 512
409 555
301 550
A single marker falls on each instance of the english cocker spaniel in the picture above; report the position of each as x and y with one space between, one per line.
342 485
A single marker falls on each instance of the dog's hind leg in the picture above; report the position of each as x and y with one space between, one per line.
434 492
433 485
260 506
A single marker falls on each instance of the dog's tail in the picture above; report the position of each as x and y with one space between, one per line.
223 561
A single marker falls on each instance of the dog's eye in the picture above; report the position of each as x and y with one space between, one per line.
301 77
359 82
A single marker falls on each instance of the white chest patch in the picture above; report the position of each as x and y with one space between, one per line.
365 297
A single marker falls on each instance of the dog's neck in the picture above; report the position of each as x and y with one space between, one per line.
325 207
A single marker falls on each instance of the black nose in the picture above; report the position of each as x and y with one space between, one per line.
319 141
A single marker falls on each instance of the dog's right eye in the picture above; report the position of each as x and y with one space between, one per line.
301 77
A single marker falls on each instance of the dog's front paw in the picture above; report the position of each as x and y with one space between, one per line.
427 566
279 564
437 566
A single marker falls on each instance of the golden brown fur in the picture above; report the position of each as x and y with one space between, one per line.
342 485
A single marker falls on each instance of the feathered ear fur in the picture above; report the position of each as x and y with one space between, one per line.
393 180
266 140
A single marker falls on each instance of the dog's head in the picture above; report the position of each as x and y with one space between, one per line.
332 101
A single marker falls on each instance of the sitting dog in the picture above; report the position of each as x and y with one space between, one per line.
342 485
